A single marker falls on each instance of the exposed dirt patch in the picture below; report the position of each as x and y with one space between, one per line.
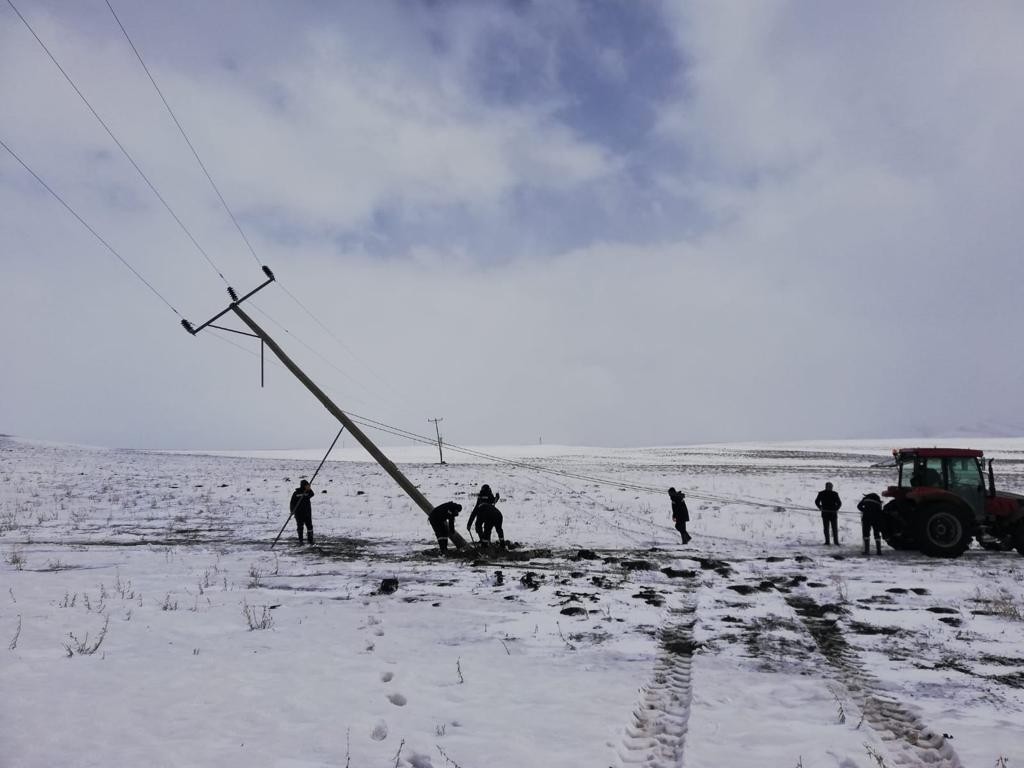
637 565
720 567
863 628
673 573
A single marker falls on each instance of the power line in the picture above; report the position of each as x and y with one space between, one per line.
120 146
313 351
183 133
337 340
227 208
85 224
523 466
405 434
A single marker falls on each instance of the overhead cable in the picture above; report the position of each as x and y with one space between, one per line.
183 133
227 208
85 224
120 146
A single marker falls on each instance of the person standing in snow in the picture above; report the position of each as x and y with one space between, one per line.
870 519
680 514
442 520
829 503
487 517
303 510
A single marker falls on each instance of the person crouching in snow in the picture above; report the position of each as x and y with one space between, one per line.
870 520
442 520
680 514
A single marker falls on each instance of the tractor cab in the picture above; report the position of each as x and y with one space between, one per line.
933 472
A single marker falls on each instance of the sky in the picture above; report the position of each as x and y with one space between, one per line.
598 223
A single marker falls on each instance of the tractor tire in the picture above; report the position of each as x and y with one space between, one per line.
944 530
895 526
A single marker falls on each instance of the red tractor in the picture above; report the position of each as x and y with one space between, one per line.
941 501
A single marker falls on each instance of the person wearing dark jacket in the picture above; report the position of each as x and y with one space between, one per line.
303 510
829 503
483 497
870 520
680 514
442 520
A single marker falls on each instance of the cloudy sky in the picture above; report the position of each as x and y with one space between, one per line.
605 223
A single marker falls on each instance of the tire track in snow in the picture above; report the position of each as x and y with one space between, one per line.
656 736
908 739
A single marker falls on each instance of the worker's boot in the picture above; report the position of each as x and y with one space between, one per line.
867 547
442 544
878 546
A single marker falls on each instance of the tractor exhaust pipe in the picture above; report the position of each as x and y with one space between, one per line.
991 480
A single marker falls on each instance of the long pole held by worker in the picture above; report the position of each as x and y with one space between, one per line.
292 512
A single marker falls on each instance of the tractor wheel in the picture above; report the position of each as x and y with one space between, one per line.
895 526
944 530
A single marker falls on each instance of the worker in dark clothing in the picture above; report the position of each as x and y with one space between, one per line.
442 520
302 509
490 517
870 520
829 503
483 497
680 514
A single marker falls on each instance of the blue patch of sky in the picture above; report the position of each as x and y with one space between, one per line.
531 223
608 70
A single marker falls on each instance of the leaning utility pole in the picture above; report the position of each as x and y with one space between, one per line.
354 430
438 431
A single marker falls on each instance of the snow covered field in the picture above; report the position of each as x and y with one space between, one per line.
146 622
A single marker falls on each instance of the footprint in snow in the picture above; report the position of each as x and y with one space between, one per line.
387 677
378 632
380 731
397 699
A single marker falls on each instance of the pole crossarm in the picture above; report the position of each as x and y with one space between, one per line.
234 300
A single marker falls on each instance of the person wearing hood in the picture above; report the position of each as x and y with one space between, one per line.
870 520
486 517
680 514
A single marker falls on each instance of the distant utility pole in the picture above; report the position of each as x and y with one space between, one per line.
438 431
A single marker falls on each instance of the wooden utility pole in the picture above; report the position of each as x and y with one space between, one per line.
438 431
354 430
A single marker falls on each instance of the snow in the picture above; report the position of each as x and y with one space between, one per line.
474 664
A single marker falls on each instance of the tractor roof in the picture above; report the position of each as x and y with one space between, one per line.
952 453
